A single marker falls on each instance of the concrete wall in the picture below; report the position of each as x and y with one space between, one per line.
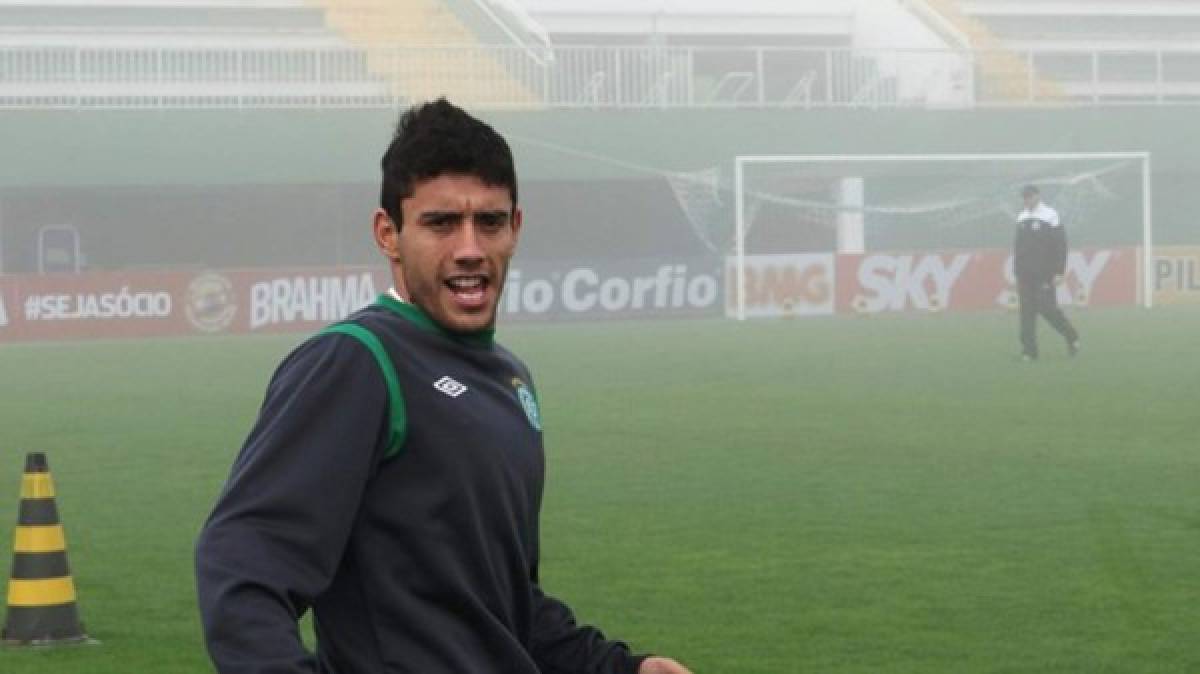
207 169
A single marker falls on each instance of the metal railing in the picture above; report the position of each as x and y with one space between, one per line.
591 77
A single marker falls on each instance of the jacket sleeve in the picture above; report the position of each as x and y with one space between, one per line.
276 535
562 647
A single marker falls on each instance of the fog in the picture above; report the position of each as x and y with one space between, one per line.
765 171
248 138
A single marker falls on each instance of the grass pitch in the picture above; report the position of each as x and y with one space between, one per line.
829 495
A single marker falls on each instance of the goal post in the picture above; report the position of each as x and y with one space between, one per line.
853 198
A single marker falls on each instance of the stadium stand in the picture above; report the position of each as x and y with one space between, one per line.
450 48
104 53
811 23
1115 24
697 51
581 53
206 53
1084 50
1001 75
139 23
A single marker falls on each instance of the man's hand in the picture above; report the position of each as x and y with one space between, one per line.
662 666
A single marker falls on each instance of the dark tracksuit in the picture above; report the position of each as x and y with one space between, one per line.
403 511
1040 254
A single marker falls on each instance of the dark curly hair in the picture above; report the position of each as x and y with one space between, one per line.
438 138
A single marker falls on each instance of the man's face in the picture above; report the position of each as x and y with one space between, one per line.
451 255
1031 199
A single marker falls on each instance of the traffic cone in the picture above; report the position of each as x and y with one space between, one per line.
41 594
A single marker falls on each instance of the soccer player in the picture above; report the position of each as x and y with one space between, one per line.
1039 262
393 480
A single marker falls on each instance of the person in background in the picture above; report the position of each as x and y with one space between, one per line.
1039 262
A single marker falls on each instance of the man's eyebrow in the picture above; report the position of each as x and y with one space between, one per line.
440 214
494 213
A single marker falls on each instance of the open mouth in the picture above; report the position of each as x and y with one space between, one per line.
469 290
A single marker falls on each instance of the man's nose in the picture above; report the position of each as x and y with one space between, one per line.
467 248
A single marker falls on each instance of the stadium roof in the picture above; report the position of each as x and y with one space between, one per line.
722 7
684 16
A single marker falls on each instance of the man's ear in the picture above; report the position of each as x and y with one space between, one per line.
387 235
516 223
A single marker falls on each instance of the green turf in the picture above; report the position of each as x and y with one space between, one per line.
831 495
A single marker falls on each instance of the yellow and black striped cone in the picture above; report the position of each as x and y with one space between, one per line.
41 594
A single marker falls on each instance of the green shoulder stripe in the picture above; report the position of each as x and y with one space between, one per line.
397 417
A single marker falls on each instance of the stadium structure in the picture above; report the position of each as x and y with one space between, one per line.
204 148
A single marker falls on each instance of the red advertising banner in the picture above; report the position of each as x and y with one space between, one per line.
154 304
102 305
612 290
157 304
975 280
282 300
782 285
107 305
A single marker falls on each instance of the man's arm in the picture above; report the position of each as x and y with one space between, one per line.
1058 254
560 646
276 535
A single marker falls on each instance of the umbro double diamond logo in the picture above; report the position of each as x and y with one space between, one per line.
450 387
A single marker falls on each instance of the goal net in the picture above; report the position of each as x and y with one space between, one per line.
859 204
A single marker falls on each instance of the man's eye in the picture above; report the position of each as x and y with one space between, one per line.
439 222
491 222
